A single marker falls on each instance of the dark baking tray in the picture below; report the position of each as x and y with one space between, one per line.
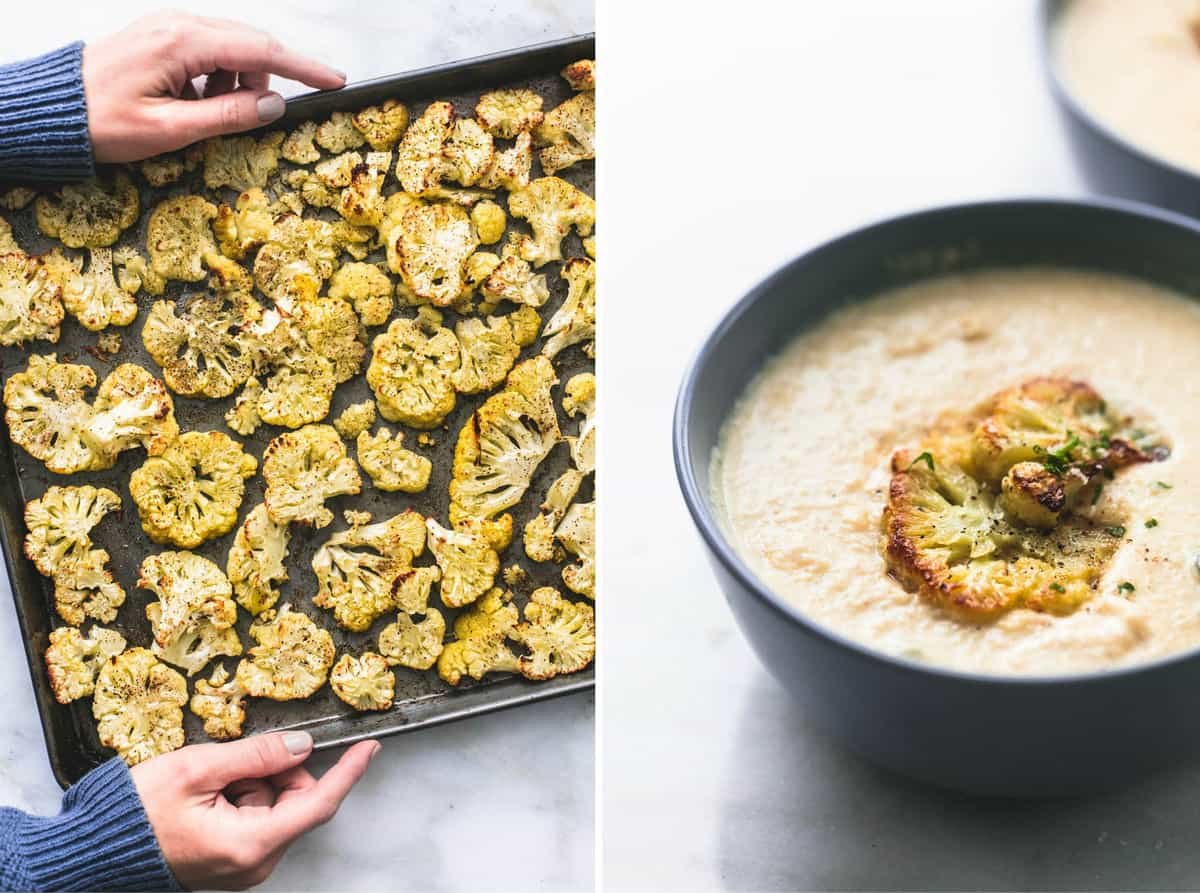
422 699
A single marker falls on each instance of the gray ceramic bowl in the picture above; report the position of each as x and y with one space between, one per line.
1007 736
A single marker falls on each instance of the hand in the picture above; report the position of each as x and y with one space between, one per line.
138 83
224 814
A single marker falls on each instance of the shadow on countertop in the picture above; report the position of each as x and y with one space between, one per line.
802 813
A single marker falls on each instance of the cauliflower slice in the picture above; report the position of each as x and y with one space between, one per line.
302 469
575 321
162 170
297 146
84 587
479 647
390 466
510 169
514 281
178 237
581 75
339 133
367 287
577 533
299 391
193 618
489 219
539 531
411 370
560 635
197 644
31 303
290 661
506 113
245 226
109 343
487 351
579 398
256 559
331 328
311 189
208 349
431 246
358 570
551 206
418 158
468 563
91 214
221 703
337 172
467 153
365 683
382 125
362 202
135 273
241 162
502 444
60 522
413 644
73 660
568 133
192 492
300 254
132 408
355 419
17 198
138 706
95 299
243 416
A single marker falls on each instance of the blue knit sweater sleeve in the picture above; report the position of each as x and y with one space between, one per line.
101 840
43 119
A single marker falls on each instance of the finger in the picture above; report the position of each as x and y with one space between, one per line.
230 113
250 792
292 782
213 767
219 82
301 812
254 80
208 49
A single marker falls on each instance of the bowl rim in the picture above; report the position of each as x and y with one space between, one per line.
719 545
1047 14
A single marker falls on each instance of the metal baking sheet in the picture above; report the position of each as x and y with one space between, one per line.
422 699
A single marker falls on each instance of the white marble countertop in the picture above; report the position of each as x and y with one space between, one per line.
827 116
448 808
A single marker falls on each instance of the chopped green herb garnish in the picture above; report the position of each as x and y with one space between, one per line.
1108 474
1126 587
1058 458
1096 495
1118 530
1058 587
924 457
1162 485
1103 407
1152 522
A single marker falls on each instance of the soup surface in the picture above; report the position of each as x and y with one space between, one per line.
1135 66
803 467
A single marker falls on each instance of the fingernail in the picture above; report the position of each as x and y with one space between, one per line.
340 74
378 747
270 107
297 742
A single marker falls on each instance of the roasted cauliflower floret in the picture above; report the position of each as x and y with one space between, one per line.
221 703
503 443
241 162
193 490
91 214
95 299
245 226
355 419
1033 495
300 389
413 644
367 287
468 563
132 408
467 153
290 661
581 75
560 635
551 206
193 618
412 370
431 247
514 281
207 350
135 274
568 133
506 113
138 706
382 125
16 198
84 587
579 398
575 321
339 133
31 304
361 202
359 570
480 645
73 660
390 466
297 146
300 254
178 237
365 683
577 533
109 343
488 350
336 172
589 245
304 468
311 189
162 170
510 169
489 219
60 523
243 415
195 646
539 531
418 158
255 561
331 328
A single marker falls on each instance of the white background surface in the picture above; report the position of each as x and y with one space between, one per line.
456 808
762 130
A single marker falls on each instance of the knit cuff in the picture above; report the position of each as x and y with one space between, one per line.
43 118
101 840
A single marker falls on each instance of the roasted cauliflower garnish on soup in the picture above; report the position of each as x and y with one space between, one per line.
995 513
290 661
138 706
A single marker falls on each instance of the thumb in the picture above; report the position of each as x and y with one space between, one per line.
217 765
238 110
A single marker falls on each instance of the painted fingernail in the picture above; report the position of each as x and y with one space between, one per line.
375 752
270 107
340 74
297 742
